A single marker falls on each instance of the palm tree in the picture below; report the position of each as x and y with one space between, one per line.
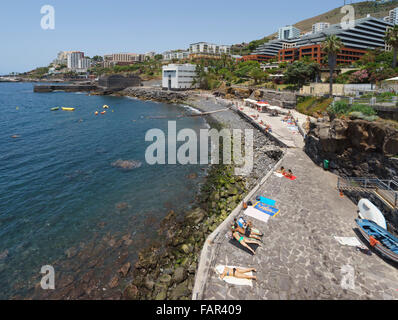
332 46
391 39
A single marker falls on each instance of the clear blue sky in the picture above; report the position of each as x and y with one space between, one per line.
100 27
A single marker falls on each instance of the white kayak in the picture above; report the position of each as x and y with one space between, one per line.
368 211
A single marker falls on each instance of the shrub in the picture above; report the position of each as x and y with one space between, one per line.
364 109
339 108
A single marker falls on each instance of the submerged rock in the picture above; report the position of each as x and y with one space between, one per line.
4 254
124 270
126 165
122 206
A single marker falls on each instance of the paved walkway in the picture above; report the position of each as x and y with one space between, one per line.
280 129
300 258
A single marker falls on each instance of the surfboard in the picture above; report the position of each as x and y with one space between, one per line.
368 211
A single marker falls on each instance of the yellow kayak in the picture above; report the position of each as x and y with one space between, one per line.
68 109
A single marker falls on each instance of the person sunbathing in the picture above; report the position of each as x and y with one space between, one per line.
282 170
246 231
238 273
248 226
245 241
289 174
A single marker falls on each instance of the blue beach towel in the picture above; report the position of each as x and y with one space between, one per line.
272 211
266 201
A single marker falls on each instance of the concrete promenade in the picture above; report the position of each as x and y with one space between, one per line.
299 258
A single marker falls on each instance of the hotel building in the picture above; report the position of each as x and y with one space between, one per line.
367 33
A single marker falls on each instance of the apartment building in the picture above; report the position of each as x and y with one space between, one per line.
175 54
320 26
73 59
288 32
205 49
84 64
122 59
392 17
178 76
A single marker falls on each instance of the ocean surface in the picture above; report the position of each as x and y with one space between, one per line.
65 201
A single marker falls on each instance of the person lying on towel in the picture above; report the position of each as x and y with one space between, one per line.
246 231
248 227
238 273
245 241
289 174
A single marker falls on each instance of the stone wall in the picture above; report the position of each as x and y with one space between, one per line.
117 81
282 99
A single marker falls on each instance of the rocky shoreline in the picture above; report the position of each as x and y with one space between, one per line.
166 271
154 94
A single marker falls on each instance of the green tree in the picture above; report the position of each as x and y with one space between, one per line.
300 72
98 59
332 46
257 75
391 39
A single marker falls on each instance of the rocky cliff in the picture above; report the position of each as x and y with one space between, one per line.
355 147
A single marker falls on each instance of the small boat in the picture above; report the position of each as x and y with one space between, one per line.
68 109
55 109
96 113
105 107
368 211
379 238
103 112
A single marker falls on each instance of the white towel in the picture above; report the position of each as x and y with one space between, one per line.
351 242
233 280
257 214
279 175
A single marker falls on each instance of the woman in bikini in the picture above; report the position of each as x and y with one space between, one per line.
247 231
245 241
238 273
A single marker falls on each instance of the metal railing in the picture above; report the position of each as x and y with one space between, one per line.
388 189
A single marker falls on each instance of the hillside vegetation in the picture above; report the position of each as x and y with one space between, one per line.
377 10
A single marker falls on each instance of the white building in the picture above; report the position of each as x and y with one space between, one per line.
175 54
84 64
123 58
288 32
209 48
320 26
393 16
178 76
73 59
149 55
